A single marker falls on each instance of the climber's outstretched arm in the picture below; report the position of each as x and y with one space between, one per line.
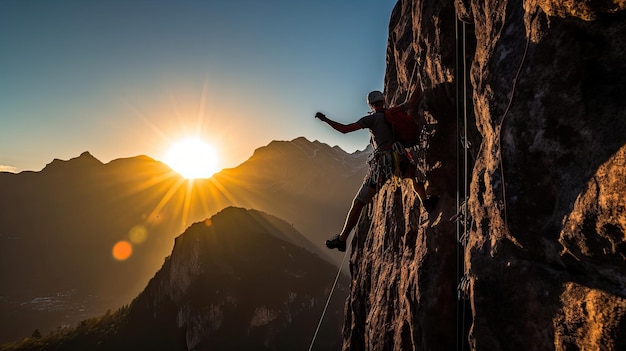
340 127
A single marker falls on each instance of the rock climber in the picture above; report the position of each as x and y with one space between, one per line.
382 141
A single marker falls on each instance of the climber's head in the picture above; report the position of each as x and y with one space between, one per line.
376 100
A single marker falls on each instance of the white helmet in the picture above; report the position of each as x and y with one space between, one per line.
375 96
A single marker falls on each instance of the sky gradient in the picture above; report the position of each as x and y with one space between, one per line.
124 78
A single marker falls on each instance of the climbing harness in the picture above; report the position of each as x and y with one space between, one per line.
386 164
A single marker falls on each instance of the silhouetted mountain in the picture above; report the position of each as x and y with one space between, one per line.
83 162
231 283
308 183
58 226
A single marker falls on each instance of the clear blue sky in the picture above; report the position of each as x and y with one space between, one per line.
123 78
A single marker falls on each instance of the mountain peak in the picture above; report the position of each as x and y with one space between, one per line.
85 160
301 145
224 275
86 154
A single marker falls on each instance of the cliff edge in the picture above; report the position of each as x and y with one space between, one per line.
526 103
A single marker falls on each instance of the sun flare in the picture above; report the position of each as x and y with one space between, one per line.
192 158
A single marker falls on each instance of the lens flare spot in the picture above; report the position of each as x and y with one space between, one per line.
208 222
138 234
122 250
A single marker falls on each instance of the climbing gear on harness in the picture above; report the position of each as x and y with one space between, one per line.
380 167
389 162
336 243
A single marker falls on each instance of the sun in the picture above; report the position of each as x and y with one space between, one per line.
192 158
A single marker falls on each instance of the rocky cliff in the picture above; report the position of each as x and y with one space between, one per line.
233 283
526 101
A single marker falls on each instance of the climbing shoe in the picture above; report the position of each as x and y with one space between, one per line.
430 202
335 243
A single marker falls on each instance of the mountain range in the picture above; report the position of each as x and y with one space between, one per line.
58 226
232 282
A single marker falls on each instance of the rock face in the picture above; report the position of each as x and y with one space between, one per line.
544 255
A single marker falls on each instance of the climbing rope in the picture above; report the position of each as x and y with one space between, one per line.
506 111
408 90
330 295
462 215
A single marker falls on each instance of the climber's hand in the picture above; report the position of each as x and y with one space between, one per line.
321 116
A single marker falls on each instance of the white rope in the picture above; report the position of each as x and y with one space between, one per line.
506 111
461 44
330 295
465 185
408 89
458 196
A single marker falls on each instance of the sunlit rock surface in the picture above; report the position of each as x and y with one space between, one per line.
545 255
